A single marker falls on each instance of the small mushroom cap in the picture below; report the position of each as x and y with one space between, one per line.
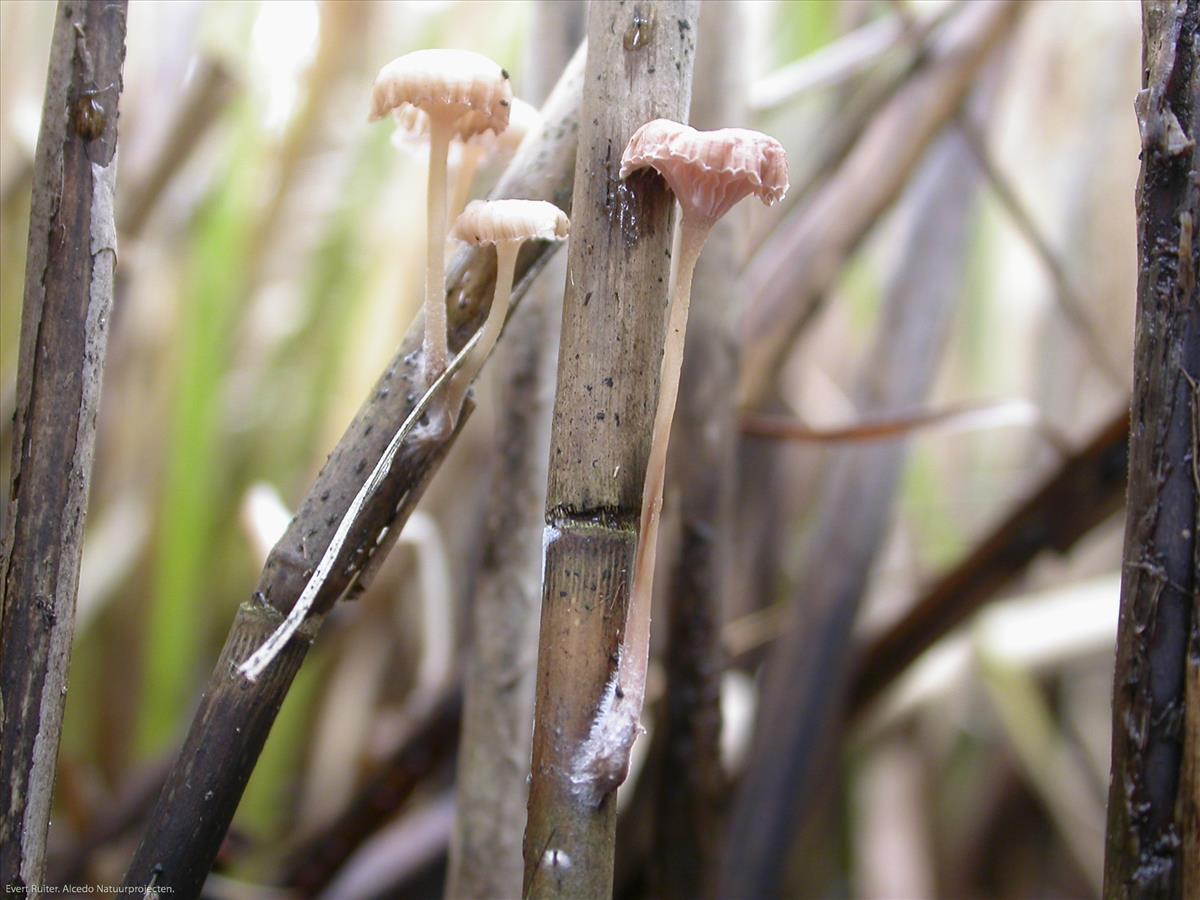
467 88
709 171
497 221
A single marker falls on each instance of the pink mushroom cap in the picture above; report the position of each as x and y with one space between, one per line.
709 171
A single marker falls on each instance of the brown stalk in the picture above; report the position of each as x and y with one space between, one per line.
816 240
805 673
498 682
639 68
64 337
1153 835
229 729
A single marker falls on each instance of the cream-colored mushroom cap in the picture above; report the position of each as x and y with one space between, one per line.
497 221
469 89
709 171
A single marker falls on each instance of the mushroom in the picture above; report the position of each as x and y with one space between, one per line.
708 171
463 94
507 224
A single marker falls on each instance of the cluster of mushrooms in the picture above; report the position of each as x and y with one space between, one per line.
464 99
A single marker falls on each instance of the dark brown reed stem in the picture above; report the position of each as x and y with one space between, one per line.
1081 493
1153 836
64 339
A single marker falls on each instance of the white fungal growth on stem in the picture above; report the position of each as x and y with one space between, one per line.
602 761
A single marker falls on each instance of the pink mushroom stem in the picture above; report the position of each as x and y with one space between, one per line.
693 232
708 172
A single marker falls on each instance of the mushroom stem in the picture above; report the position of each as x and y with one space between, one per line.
468 164
506 265
434 344
635 656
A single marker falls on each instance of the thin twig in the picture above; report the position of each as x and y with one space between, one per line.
1083 491
962 417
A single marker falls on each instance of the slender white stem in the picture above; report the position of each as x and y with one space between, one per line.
506 264
436 352
468 165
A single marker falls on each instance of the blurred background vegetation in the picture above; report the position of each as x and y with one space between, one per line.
270 259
